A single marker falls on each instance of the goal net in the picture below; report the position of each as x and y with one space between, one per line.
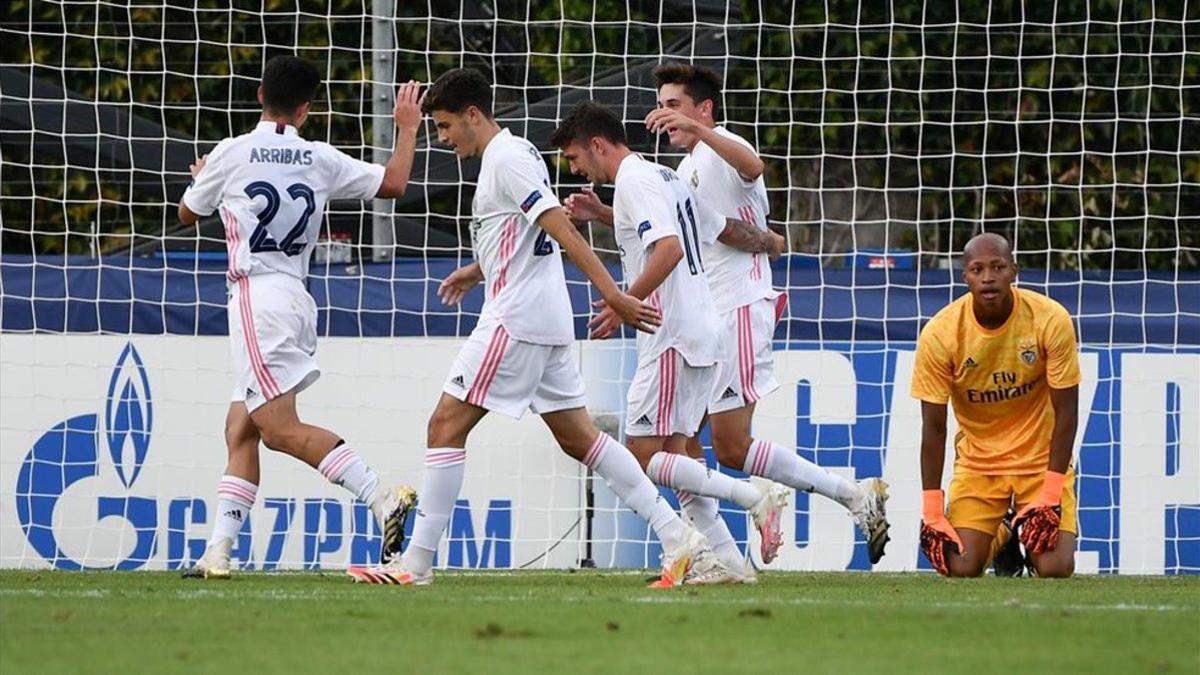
891 132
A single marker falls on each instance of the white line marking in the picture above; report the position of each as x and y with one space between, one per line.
658 598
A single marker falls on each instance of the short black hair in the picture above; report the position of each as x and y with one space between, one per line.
588 120
458 89
289 82
700 83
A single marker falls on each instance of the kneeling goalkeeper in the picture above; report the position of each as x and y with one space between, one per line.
1006 358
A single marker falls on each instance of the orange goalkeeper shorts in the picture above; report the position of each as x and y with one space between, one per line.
979 501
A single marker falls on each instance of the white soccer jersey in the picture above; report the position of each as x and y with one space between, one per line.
736 278
652 202
522 266
271 186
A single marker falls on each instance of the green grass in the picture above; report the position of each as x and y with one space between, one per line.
558 622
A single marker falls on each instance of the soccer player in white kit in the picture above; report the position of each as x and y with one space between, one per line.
520 354
661 228
727 170
271 186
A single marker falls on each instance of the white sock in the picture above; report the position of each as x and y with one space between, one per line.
784 465
235 496
623 475
704 512
680 472
444 469
342 466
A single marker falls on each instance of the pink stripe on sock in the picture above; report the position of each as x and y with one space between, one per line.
236 493
336 462
594 452
440 459
764 458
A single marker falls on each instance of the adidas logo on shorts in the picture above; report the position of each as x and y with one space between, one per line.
729 393
250 393
644 420
458 381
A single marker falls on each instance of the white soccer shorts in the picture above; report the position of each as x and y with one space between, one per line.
749 373
667 396
273 336
504 375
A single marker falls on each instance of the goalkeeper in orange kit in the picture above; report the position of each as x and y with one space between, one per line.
1006 358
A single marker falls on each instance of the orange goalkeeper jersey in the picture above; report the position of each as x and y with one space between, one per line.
998 380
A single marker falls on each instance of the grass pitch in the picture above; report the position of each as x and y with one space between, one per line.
595 622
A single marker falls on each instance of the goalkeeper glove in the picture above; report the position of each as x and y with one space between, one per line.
936 531
1039 521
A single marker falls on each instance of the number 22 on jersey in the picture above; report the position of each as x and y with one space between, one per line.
293 242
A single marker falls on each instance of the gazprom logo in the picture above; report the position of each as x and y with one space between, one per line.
69 452
77 505
129 413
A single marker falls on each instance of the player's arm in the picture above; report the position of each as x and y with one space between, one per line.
745 237
1066 422
742 158
662 257
407 116
931 384
185 214
204 191
933 445
1040 519
630 309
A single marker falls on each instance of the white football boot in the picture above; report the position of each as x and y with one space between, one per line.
767 514
870 514
214 564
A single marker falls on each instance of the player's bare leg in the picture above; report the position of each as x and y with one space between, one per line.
977 557
236 493
866 500
579 438
445 465
1058 562
282 431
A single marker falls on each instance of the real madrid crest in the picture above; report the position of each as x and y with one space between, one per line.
695 180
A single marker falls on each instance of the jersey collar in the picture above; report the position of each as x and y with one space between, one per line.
492 143
629 159
268 127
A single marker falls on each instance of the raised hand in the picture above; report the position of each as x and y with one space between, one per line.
661 120
408 105
194 169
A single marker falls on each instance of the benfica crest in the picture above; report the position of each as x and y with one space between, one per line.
1028 354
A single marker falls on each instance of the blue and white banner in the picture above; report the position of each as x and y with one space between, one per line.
111 447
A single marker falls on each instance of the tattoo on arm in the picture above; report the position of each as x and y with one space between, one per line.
744 237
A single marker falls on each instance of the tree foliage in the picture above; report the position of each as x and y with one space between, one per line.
1071 127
